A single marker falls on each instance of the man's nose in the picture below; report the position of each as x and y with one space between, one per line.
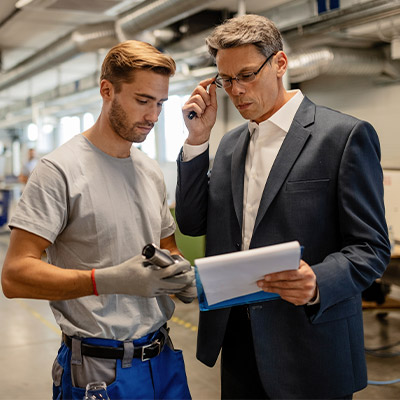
237 88
152 115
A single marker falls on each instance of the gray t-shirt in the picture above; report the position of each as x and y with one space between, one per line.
98 211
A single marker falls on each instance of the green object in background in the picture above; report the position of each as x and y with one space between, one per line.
192 247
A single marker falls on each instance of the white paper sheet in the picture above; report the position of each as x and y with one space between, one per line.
235 274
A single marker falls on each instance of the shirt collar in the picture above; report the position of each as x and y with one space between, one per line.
283 118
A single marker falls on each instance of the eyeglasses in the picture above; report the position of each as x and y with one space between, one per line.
243 78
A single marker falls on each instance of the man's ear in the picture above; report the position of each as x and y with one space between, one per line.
106 90
282 63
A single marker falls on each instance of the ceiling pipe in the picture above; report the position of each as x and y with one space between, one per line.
339 20
154 14
84 39
311 63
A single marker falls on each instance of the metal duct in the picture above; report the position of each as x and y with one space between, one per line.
85 38
102 35
156 14
337 61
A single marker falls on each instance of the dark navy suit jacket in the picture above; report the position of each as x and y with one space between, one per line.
325 190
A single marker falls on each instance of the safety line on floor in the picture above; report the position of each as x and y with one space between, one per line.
40 317
57 330
185 324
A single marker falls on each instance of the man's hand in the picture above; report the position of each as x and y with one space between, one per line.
296 286
204 103
189 292
133 278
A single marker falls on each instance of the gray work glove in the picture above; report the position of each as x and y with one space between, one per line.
133 278
189 292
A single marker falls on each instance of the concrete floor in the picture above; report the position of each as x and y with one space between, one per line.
30 340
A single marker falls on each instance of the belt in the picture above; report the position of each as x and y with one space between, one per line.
145 352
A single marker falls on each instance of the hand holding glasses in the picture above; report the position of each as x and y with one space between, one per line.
243 78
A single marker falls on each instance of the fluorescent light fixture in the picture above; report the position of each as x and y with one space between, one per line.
22 3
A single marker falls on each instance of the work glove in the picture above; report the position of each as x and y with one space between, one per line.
134 278
189 292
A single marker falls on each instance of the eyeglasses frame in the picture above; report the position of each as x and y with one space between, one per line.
220 85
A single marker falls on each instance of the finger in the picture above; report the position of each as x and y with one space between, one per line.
195 103
204 83
298 295
283 285
205 89
289 275
287 294
184 279
213 95
168 285
201 98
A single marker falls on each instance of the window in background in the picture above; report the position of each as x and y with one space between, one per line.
175 131
45 141
69 127
32 132
87 121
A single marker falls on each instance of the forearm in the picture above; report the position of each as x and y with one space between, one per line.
169 244
36 279
26 275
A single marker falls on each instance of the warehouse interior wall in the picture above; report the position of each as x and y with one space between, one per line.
365 99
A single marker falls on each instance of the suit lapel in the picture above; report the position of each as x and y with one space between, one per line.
291 147
237 173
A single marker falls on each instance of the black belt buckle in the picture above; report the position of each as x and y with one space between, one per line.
156 345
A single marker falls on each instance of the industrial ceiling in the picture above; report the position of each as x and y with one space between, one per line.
51 50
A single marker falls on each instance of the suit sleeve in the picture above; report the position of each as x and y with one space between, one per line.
192 194
365 249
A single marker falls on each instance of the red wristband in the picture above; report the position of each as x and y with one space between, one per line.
94 284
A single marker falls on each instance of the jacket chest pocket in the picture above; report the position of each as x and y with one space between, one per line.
311 185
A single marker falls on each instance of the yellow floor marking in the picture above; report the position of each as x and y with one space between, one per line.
57 330
40 317
185 324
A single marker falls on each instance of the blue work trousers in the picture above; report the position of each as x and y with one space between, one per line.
161 377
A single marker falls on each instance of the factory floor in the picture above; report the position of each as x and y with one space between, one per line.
29 340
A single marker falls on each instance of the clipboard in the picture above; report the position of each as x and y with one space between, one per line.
254 297
247 299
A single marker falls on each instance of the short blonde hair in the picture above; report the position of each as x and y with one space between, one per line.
125 58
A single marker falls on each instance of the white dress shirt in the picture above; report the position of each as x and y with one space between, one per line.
266 140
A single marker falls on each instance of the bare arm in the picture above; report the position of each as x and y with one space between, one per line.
26 275
169 243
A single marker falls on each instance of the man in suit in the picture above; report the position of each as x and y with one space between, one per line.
295 171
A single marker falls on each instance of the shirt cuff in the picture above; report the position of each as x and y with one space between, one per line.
192 151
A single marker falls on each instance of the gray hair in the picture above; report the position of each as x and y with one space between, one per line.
247 29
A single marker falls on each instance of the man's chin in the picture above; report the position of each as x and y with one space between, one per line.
139 138
246 114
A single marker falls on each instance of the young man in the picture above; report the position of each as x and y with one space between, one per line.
93 204
295 171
